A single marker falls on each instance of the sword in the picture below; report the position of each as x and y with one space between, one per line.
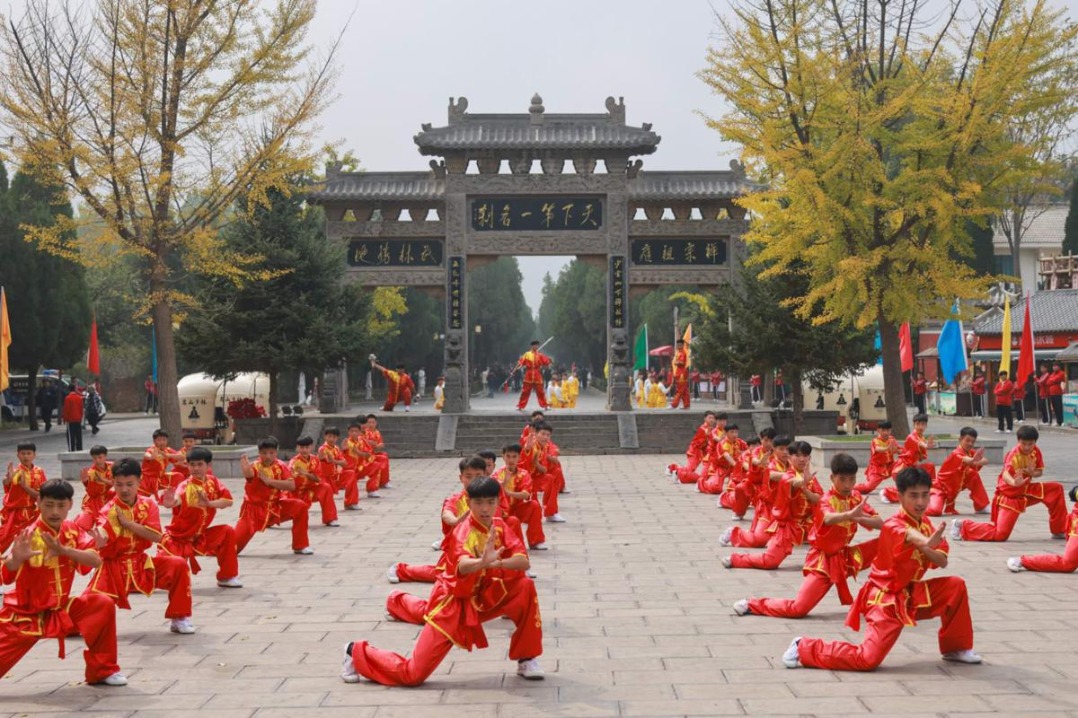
519 364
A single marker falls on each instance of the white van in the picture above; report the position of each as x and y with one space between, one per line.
204 402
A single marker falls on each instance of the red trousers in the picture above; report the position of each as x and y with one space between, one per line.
349 481
681 393
526 391
687 474
531 513
170 573
711 483
414 573
779 546
323 494
406 608
392 399
949 602
813 589
873 478
292 510
941 504
755 537
94 616
12 522
550 484
1066 563
736 499
1004 518
218 541
376 472
432 646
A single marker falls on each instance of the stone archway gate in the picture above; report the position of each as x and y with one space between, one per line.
648 228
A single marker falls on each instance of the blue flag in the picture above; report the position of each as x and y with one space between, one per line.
952 348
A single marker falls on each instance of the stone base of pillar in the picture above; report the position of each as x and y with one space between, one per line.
618 388
456 374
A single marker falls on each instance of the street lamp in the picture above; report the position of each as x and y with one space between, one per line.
475 350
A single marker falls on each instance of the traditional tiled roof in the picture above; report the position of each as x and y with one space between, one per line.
1050 311
390 186
1045 229
558 132
674 186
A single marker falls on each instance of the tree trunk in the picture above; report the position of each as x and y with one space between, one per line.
31 396
168 397
893 393
274 377
798 400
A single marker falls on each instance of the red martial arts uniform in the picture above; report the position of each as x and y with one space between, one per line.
1011 502
98 486
791 512
309 491
721 466
154 477
738 490
374 438
190 535
757 535
20 508
893 597
457 608
546 476
1052 563
361 467
458 505
681 378
527 512
40 606
329 471
695 455
532 362
264 506
881 462
830 561
914 453
400 389
953 476
126 568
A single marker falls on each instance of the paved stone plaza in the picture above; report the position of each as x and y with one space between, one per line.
636 617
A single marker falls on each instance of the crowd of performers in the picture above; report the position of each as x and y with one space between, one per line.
44 542
771 475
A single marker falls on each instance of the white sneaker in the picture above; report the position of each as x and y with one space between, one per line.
1059 537
391 574
726 562
389 486
966 656
233 582
741 607
390 617
1014 563
116 679
556 519
566 490
306 551
726 537
407 408
530 670
530 574
791 658
373 495
348 668
182 625
539 547
739 518
956 529
983 511
437 545
352 507
334 523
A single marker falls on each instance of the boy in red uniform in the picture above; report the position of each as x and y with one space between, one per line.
454 511
914 453
154 462
724 467
681 375
310 486
357 459
960 470
97 482
532 362
742 489
1004 391
378 444
794 496
331 459
1057 384
695 455
517 498
1015 492
265 502
180 472
881 460
895 596
920 393
1044 411
832 558
42 565
131 524
21 485
768 463
978 387
540 460
483 580
194 505
1051 562
399 386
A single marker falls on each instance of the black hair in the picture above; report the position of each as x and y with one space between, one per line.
472 462
354 425
487 454
484 487
536 413
543 426
721 416
967 431
189 435
884 425
304 441
331 430
781 440
534 341
800 448
128 467
99 450
400 365
754 441
511 448
57 489
368 417
708 413
159 433
910 477
768 433
732 427
920 417
200 453
268 442
1027 433
843 465
26 446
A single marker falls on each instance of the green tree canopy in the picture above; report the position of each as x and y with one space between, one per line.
573 311
496 303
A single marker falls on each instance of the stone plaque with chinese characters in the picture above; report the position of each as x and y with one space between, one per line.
455 303
617 291
678 252
536 214
394 253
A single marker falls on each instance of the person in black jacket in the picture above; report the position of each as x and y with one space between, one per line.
47 400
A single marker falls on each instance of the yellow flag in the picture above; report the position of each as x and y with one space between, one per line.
5 342
1005 348
687 336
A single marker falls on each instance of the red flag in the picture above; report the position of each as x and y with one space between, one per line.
905 347
93 356
1026 361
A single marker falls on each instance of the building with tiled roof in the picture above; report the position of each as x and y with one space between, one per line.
1054 315
1043 237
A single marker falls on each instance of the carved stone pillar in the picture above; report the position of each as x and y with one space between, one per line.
619 388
